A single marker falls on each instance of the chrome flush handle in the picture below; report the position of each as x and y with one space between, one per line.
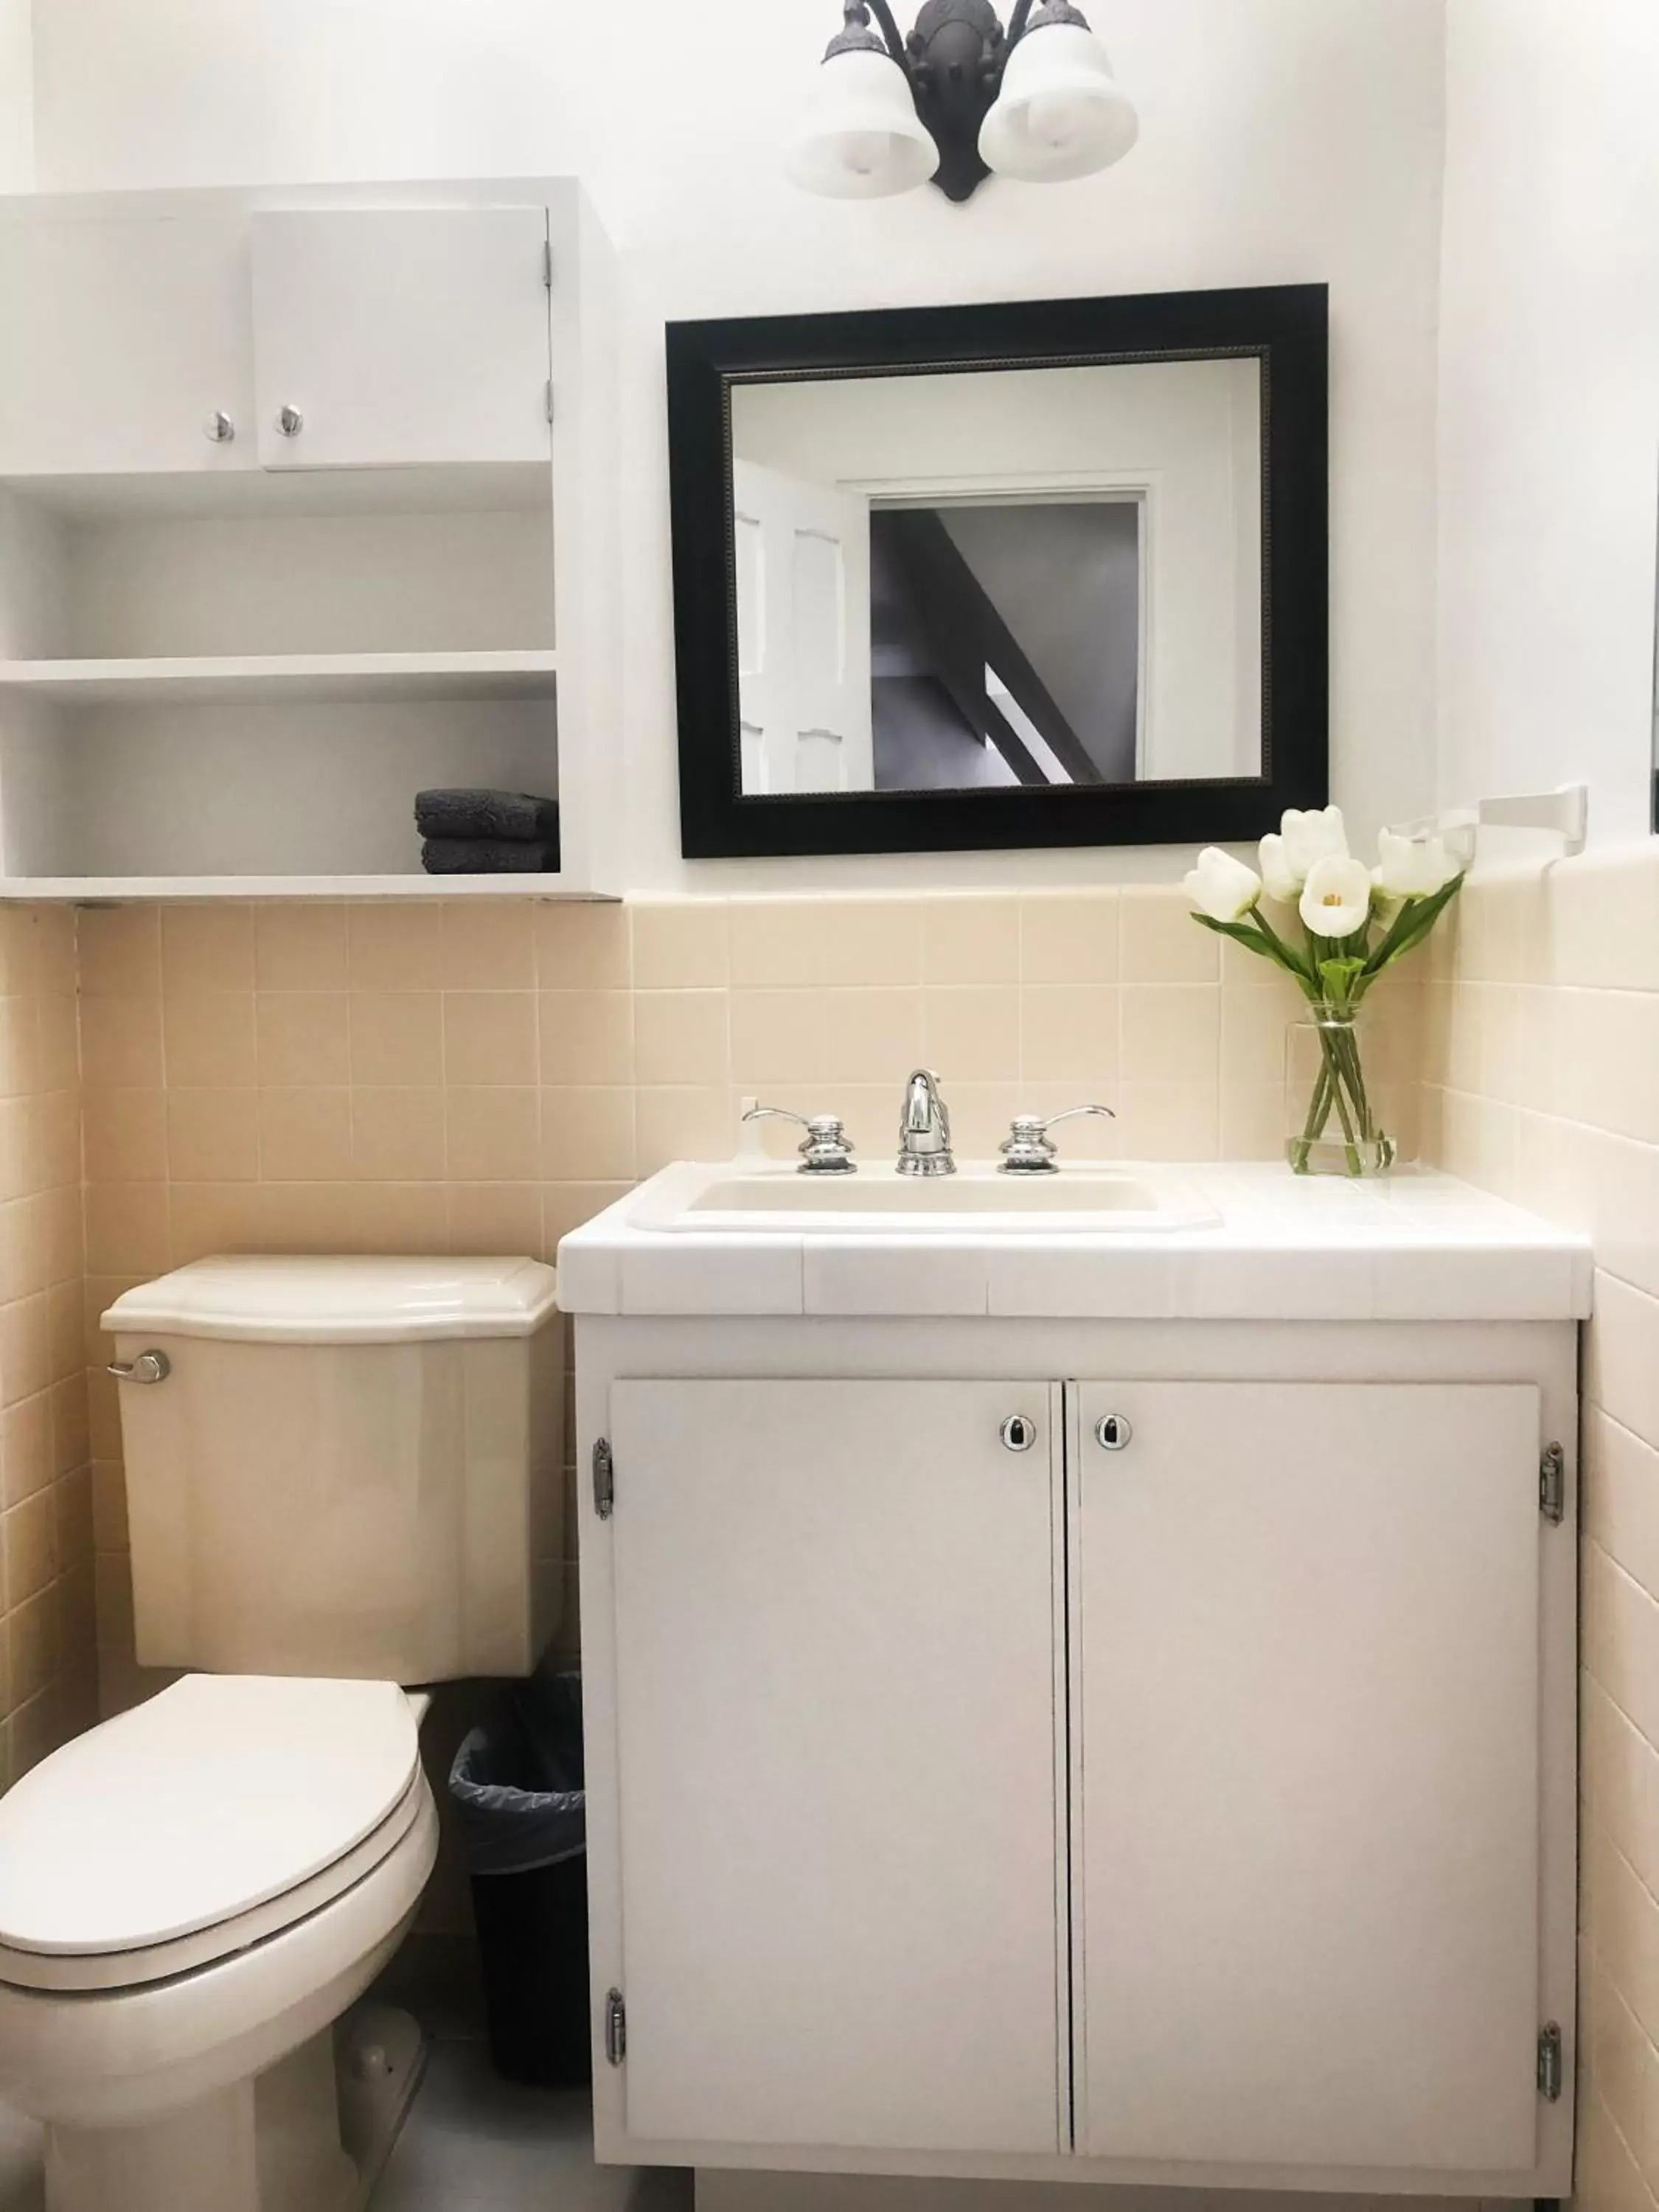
148 1367
1026 1149
826 1149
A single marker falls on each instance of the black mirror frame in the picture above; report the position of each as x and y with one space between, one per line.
1285 327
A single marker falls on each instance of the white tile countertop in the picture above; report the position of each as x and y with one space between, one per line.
1270 1246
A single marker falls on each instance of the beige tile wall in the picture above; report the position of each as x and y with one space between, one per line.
479 1076
48 1652
1541 1067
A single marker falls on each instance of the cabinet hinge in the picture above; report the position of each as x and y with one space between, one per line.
616 2027
1552 1483
1549 2063
547 265
604 1479
547 399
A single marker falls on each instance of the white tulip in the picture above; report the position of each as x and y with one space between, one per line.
1222 887
1411 867
1301 840
1336 899
1282 881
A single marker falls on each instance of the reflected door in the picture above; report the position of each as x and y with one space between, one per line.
803 561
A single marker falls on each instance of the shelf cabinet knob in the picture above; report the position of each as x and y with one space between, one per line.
1112 1432
218 428
1018 1432
290 421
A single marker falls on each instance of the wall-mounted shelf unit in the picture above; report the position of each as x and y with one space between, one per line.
306 504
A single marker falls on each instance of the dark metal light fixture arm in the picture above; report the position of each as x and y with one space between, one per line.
889 31
1017 22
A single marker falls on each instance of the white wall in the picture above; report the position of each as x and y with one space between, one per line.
17 96
1282 141
1549 402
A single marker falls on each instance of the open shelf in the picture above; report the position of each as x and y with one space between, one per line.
306 679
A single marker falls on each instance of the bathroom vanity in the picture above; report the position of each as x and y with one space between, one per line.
1080 1676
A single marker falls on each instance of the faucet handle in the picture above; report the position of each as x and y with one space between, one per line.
1026 1149
826 1149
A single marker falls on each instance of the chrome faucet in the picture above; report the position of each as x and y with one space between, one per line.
925 1128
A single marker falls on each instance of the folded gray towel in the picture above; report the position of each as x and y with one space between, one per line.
514 814
489 856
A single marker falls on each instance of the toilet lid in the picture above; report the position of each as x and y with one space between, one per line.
220 1793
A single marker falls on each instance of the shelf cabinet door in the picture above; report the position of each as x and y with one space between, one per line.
1306 1659
835 1624
121 337
401 336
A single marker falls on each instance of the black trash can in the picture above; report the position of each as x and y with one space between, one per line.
517 1788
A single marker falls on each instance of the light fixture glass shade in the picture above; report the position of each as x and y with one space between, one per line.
861 137
1060 112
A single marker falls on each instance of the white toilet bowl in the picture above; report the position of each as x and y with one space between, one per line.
190 1897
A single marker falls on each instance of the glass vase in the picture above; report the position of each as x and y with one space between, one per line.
1331 1124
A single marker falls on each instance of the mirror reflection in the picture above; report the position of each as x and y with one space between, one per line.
1032 577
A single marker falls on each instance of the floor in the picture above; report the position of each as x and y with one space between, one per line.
471 2144
474 2144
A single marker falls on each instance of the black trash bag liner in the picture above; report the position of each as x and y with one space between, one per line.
517 1781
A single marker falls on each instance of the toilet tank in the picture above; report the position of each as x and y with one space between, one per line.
349 1467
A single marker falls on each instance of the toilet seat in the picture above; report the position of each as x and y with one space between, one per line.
221 1812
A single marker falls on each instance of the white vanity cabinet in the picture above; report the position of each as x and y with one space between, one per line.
920 1686
1080 1704
1066 1708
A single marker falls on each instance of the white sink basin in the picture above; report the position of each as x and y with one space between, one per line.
877 1201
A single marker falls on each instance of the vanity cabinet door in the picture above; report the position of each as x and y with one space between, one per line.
1306 1667
401 336
836 1625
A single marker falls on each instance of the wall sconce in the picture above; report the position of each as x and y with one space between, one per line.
959 98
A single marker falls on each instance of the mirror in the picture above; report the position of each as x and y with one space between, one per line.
1045 577
1024 575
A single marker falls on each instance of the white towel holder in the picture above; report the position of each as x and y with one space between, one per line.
1563 812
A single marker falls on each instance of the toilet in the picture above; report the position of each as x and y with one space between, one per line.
336 1469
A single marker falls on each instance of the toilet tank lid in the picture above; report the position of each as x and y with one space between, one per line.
305 1299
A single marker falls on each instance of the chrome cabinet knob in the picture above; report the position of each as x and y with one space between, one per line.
148 1367
1113 1431
1018 1432
290 421
1027 1149
218 429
